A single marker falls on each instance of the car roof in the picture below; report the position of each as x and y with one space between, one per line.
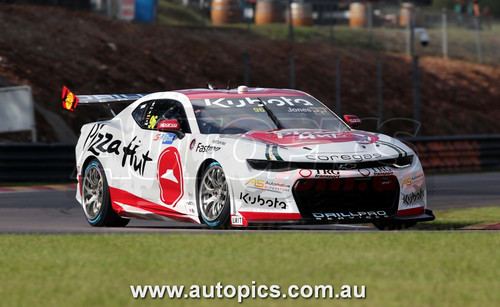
194 94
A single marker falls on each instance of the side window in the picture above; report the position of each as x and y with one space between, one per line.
150 113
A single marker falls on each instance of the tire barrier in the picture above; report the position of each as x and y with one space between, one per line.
458 153
39 162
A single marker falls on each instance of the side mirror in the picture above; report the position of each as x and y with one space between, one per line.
172 126
352 120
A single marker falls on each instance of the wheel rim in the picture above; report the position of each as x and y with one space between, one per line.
213 193
92 192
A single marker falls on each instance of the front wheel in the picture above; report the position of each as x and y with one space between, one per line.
394 225
95 198
213 197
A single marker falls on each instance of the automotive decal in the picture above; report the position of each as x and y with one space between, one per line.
268 185
304 137
170 177
69 100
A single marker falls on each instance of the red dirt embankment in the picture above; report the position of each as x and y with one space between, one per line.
47 48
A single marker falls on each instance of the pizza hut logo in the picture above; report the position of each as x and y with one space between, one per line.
170 177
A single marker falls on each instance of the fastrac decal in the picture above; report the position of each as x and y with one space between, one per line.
413 197
268 185
271 203
170 177
350 215
207 148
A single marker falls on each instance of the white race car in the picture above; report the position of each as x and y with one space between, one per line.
242 157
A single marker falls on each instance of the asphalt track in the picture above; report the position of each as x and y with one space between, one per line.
59 212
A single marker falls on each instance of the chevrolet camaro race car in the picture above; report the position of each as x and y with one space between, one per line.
241 157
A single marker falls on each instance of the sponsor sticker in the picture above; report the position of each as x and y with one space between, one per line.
170 177
206 148
267 185
350 215
236 220
262 201
413 197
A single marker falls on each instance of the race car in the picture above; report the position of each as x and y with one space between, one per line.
241 157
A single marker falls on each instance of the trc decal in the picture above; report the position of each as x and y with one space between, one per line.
170 177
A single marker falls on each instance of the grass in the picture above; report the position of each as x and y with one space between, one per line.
176 14
397 268
462 42
456 219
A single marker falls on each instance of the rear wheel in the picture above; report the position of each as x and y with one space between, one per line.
213 197
394 225
95 198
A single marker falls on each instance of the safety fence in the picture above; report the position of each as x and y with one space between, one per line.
458 153
56 162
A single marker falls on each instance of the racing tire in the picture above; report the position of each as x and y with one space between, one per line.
394 225
96 201
213 197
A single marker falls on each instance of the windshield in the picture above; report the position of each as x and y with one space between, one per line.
232 116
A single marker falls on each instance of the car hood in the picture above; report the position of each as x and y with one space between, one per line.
324 145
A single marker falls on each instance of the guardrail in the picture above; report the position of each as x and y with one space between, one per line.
36 162
56 162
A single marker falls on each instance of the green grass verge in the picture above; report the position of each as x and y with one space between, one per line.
456 219
397 268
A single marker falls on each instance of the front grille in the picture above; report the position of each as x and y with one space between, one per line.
346 195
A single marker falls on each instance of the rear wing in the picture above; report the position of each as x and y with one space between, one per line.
70 101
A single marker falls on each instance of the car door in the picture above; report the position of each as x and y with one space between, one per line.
158 167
